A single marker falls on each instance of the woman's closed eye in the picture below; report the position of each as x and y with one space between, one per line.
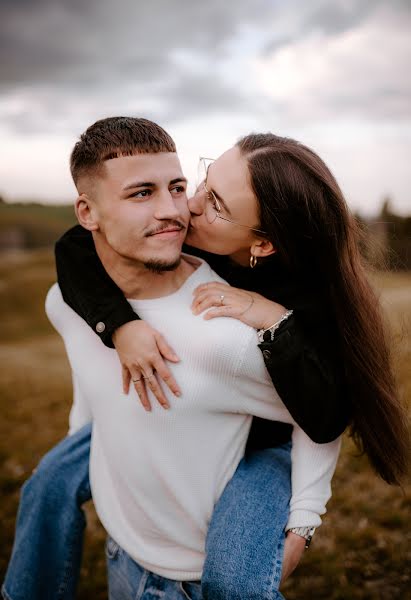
211 199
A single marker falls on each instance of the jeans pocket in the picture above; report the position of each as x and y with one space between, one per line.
112 548
191 590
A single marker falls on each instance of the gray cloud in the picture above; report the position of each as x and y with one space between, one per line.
65 62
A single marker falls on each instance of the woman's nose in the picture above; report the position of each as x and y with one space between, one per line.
197 201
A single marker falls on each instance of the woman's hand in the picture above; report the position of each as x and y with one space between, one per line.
142 351
293 550
248 307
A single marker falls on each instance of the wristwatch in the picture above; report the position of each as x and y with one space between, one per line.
304 532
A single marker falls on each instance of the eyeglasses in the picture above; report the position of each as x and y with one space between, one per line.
213 208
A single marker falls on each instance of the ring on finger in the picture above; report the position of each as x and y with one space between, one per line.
135 380
149 376
222 299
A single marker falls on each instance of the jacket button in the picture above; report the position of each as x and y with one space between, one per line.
267 354
100 327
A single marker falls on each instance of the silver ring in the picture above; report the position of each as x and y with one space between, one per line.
148 376
135 380
222 299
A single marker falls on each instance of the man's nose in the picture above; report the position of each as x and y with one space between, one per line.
197 202
167 207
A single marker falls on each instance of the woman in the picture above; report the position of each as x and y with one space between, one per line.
272 204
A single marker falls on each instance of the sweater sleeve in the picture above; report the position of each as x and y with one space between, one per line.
309 382
312 464
80 413
312 468
56 310
87 288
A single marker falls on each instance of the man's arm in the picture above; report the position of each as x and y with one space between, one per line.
313 464
313 467
80 413
86 286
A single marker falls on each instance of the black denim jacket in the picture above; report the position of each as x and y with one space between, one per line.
302 360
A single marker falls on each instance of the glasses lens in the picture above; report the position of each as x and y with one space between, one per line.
211 210
203 165
211 207
201 172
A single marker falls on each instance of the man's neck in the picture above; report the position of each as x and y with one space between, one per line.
138 282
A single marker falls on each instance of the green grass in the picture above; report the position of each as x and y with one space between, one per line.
363 549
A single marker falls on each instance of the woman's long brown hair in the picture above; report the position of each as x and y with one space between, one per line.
307 219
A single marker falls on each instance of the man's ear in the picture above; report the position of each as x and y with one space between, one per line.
262 248
86 212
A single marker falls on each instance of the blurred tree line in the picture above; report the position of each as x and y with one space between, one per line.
386 241
25 226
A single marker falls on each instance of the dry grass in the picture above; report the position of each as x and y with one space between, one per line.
363 550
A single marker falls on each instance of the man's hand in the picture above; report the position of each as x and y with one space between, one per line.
293 551
142 351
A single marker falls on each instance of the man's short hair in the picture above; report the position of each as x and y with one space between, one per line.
114 137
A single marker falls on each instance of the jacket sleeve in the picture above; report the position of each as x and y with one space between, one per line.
87 288
309 382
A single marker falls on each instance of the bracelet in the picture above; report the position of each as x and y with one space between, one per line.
273 328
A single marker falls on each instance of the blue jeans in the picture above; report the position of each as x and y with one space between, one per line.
127 580
244 545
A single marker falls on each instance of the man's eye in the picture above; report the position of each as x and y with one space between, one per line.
179 189
141 194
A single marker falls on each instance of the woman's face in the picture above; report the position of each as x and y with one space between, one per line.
228 181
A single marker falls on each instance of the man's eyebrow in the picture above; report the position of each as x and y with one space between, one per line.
221 201
136 184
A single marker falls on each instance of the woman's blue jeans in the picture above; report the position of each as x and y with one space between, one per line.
244 545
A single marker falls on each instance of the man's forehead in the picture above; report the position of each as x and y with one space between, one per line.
157 167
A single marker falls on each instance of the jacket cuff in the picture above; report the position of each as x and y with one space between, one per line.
115 319
288 344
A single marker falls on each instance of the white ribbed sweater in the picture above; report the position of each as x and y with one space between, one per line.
156 476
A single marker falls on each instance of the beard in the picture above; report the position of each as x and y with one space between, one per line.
160 266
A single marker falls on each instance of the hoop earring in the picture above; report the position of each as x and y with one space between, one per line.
253 261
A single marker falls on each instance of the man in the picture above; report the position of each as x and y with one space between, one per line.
156 476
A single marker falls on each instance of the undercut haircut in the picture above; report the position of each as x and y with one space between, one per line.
114 137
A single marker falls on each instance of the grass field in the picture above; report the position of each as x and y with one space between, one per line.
363 550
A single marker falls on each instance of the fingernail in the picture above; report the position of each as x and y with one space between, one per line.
147 409
178 394
166 406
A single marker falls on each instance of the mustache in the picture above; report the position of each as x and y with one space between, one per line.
166 225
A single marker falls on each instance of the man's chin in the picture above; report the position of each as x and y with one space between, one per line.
162 266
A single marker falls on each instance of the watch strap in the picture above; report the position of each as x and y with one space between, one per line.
304 532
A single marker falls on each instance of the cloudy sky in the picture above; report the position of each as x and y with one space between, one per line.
333 74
